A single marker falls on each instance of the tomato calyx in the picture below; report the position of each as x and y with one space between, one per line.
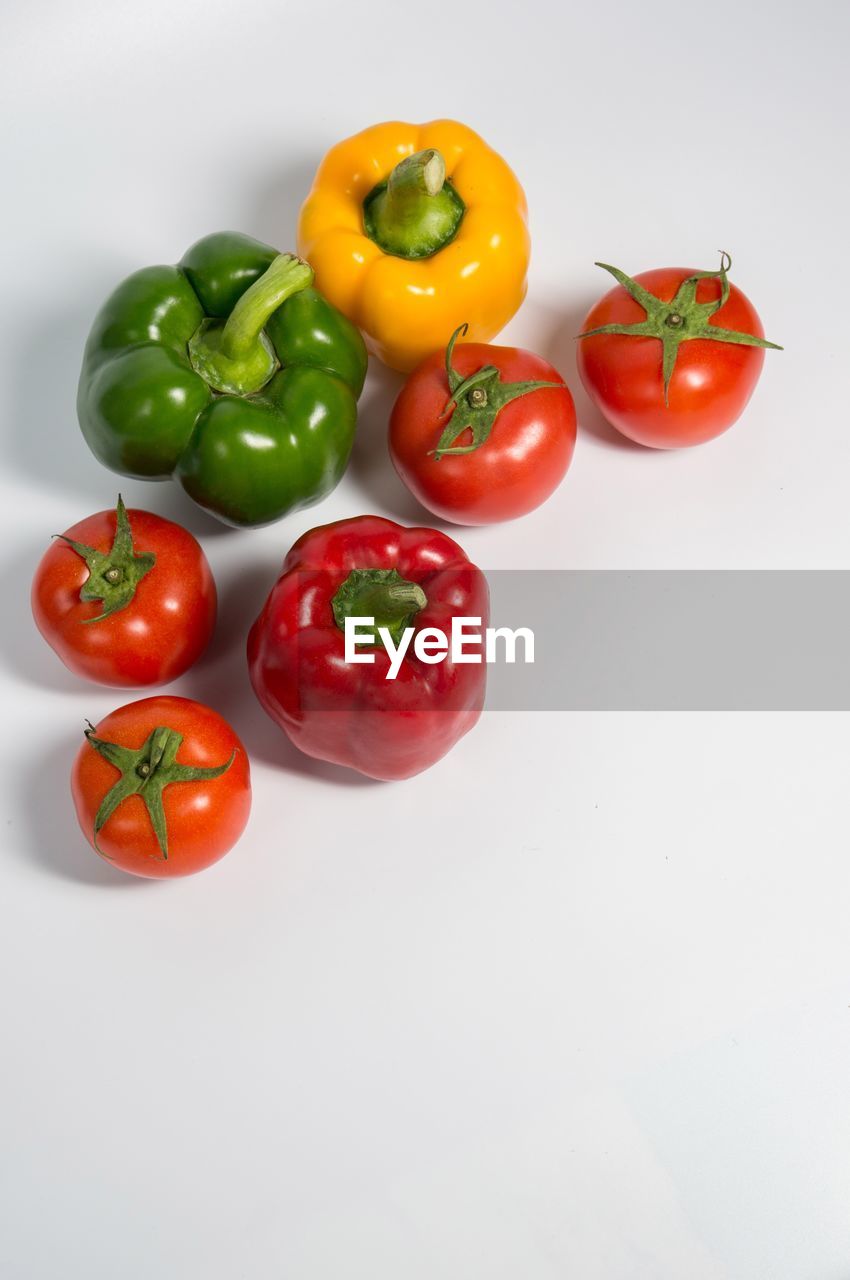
114 574
381 594
146 772
678 321
477 400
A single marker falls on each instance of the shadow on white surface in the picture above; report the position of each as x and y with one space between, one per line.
22 650
282 188
48 833
43 441
167 499
370 467
559 348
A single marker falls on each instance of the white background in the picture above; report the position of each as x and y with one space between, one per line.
575 1002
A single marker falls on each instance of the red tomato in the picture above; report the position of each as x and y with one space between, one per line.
141 750
711 381
163 599
525 451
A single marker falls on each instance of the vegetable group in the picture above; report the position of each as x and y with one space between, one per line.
162 787
233 373
125 598
351 714
483 433
229 371
411 229
672 356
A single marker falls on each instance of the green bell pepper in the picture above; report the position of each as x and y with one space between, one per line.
230 372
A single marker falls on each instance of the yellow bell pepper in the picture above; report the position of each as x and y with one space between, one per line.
413 230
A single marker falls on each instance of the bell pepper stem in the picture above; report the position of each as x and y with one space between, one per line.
381 594
416 210
284 276
235 356
421 174
387 602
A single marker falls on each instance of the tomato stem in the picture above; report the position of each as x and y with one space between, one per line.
476 402
678 321
146 772
114 575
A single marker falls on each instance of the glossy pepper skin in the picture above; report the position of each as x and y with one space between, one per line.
350 714
149 408
407 307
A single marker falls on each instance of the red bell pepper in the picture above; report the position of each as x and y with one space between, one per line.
350 713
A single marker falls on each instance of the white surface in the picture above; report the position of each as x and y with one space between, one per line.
586 1013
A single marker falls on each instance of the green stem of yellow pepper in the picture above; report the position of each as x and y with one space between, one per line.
416 211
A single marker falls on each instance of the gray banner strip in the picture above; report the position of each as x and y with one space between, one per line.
678 640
